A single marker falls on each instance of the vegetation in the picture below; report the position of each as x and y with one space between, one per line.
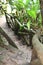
22 15
26 11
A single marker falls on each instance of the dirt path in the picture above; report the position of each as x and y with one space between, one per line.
21 56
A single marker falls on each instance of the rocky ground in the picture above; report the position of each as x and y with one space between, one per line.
12 56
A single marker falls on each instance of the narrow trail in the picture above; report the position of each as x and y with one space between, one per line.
23 53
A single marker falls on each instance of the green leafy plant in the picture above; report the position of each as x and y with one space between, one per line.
27 12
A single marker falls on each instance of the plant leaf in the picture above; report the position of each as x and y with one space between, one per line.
32 13
28 24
